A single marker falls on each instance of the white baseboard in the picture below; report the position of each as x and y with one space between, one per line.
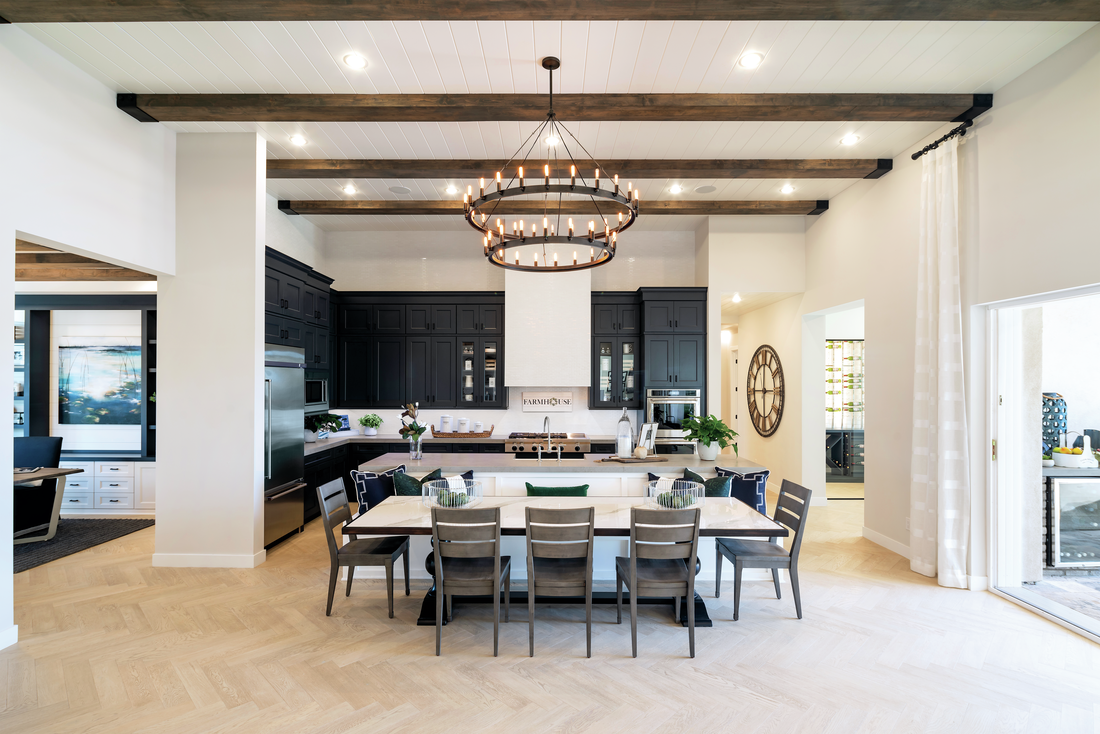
887 543
819 501
977 583
209 560
9 637
96 514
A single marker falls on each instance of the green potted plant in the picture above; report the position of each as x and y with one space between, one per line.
712 434
370 424
413 430
321 422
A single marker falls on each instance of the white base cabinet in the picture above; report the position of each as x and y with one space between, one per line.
110 487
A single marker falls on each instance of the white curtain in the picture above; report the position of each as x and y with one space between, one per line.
940 484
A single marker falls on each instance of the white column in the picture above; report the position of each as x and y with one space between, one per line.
210 358
812 393
8 631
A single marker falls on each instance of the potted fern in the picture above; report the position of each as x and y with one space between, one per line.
711 433
321 422
370 424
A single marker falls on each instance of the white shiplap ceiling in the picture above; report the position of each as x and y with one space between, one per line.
597 57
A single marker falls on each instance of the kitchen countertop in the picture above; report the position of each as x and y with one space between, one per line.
1065 471
508 464
342 440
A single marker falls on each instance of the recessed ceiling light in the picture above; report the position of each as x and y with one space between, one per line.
452 190
350 189
355 61
551 141
705 189
787 189
401 189
736 298
298 140
849 139
675 188
750 60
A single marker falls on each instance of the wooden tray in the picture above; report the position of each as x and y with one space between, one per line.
482 434
632 460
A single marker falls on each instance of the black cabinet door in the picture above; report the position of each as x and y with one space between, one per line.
444 372
273 329
689 317
690 361
658 361
444 319
389 319
418 370
659 317
309 305
491 319
603 391
355 319
467 316
387 356
628 319
628 371
616 372
605 319
322 350
272 301
322 308
354 373
295 333
489 360
309 339
418 319
292 291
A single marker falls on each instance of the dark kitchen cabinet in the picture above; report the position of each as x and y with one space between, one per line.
354 318
371 372
388 319
316 344
283 331
430 371
480 318
283 294
659 361
659 316
467 315
689 317
689 361
418 319
444 319
611 319
616 373
353 372
315 306
481 373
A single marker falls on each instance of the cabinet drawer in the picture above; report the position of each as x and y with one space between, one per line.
88 467
111 501
77 483
114 469
76 500
113 485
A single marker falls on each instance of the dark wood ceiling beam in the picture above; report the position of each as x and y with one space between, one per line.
536 208
313 168
569 107
57 258
22 246
146 11
62 272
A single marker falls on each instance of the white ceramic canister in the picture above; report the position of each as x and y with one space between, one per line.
463 425
444 424
479 427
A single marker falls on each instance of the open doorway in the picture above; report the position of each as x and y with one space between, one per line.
845 352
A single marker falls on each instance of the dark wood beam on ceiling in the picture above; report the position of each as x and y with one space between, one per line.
765 168
146 11
57 258
22 246
569 107
62 272
537 208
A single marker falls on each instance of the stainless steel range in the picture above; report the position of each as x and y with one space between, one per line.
526 445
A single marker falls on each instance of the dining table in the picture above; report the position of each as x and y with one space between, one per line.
30 479
720 517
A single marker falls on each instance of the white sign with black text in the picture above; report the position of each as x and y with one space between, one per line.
547 402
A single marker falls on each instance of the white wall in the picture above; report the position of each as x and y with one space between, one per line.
76 171
1071 358
548 328
846 324
295 237
210 359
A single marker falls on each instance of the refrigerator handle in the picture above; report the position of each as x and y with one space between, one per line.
267 429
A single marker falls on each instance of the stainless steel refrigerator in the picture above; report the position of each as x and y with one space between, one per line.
284 446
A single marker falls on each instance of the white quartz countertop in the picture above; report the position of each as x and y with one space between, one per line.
508 464
344 439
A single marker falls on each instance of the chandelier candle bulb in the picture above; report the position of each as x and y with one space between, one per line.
574 257
536 259
555 259
620 219
546 174
551 230
571 226
591 254
482 192
498 180
521 177
616 183
545 226
572 176
597 179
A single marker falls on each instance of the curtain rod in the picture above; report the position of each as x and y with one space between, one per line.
960 130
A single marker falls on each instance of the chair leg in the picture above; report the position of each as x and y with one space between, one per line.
634 622
440 600
691 623
450 607
332 574
717 570
675 609
619 597
389 584
531 613
496 622
794 589
588 616
406 560
351 575
738 570
507 594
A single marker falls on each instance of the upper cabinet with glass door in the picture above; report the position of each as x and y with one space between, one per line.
19 391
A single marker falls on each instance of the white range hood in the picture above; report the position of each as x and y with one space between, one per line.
548 328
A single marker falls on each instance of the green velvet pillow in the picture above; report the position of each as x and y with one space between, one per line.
581 491
406 485
717 487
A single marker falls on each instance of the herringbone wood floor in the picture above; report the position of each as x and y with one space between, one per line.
110 644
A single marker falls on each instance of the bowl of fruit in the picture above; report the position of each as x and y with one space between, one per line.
1069 458
1048 460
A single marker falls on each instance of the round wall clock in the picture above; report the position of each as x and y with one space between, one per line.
764 390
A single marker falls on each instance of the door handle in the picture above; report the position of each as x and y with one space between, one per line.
267 429
670 378
677 323
670 323
295 488
112 500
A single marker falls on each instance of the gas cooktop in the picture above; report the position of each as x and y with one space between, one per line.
560 436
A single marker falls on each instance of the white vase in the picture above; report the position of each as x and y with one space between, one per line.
709 452
370 431
311 437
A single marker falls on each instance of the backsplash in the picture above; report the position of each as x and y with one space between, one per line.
582 420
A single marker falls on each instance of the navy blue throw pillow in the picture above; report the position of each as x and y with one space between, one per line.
373 487
749 487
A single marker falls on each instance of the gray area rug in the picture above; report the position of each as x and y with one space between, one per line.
74 536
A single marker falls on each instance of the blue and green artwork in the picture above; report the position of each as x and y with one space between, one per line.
99 385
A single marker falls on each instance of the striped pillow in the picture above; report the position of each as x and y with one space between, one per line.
373 487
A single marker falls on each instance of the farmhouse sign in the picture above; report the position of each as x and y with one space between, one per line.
547 402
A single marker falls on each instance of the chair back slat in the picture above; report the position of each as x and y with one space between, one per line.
558 533
559 550
664 550
465 533
550 516
467 550
665 534
791 512
467 516
334 511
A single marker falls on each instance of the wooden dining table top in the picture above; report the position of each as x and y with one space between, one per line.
721 516
43 473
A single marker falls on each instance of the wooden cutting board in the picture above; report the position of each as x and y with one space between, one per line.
632 460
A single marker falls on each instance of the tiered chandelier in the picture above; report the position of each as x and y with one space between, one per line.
512 245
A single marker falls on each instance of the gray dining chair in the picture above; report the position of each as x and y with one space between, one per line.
559 559
372 551
468 562
790 512
663 548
